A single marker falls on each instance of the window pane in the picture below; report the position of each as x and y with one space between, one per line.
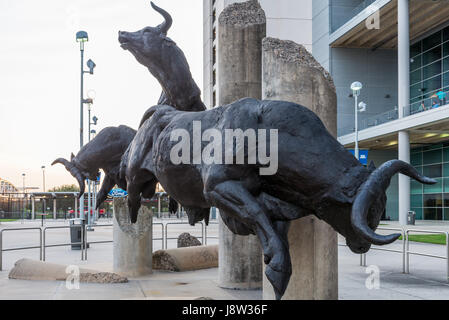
446 199
438 187
415 62
446 49
433 171
431 55
415 90
418 212
432 84
431 41
432 70
446 34
416 200
416 159
446 79
415 49
433 200
446 170
446 214
433 213
446 185
446 154
434 156
415 187
415 77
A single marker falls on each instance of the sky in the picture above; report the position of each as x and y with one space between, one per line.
40 76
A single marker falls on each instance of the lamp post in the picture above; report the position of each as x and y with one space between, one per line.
356 87
43 177
82 37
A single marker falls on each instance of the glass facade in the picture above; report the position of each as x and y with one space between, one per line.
429 69
431 202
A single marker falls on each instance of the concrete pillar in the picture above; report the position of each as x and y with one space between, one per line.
241 28
133 243
33 209
403 102
290 73
404 181
54 208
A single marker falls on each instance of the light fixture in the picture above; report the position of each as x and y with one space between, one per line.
91 65
81 36
94 119
91 94
356 87
362 106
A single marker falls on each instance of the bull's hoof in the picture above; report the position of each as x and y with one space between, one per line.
279 280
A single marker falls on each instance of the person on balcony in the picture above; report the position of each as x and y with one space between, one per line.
442 97
435 105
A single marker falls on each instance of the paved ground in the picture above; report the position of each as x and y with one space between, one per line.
427 278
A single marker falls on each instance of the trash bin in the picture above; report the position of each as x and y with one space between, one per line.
411 216
75 232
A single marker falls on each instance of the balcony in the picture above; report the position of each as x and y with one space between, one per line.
362 6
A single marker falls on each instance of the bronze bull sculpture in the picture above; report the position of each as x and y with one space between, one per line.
315 174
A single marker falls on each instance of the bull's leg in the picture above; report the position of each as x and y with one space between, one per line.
108 184
232 197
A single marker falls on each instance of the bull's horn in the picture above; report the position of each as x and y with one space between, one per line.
371 189
168 19
74 171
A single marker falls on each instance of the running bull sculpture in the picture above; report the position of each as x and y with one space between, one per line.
315 174
104 152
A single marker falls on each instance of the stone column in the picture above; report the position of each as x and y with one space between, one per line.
241 28
133 243
290 73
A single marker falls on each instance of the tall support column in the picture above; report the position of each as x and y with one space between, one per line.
242 26
290 73
404 181
403 102
76 208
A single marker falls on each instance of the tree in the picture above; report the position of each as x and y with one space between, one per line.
65 188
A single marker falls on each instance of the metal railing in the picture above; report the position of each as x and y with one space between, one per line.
43 238
95 242
403 234
162 233
408 252
19 248
44 245
178 223
205 233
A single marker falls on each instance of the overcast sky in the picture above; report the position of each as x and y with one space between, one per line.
40 80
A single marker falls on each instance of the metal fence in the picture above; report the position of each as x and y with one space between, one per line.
406 252
43 233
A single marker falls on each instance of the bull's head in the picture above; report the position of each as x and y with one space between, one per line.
359 225
77 172
166 62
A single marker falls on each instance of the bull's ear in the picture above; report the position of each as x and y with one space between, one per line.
371 166
72 156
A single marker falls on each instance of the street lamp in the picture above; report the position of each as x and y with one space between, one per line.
82 37
43 177
356 87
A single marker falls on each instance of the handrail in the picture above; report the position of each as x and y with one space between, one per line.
162 233
19 248
169 223
81 243
408 252
97 242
